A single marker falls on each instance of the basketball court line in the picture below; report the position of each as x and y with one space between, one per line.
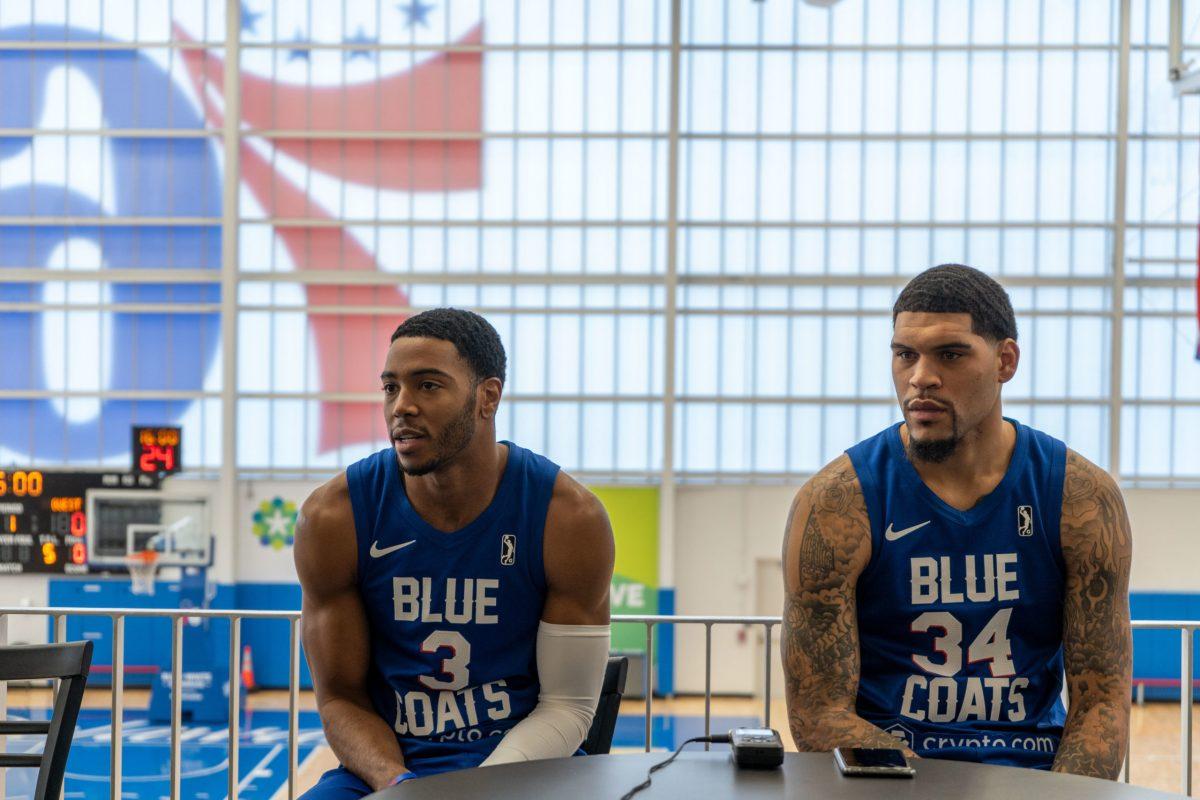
263 751
146 756
320 760
263 748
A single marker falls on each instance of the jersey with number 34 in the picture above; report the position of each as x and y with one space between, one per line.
960 612
453 616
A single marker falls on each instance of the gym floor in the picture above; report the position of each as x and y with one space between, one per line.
263 751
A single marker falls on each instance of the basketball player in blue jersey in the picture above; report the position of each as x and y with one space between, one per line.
455 588
941 574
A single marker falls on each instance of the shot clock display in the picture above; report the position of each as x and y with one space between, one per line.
156 450
43 517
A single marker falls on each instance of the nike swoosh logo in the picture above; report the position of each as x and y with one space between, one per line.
892 535
377 551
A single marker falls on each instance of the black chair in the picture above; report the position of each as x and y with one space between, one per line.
69 663
600 735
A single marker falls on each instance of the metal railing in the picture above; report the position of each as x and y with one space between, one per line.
177 617
234 617
1187 630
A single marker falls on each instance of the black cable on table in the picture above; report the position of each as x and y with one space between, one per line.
720 738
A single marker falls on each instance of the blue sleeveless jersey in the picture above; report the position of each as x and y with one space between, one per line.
453 616
960 612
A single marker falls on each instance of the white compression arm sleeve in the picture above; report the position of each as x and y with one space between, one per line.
570 661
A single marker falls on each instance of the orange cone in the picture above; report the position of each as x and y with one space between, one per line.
247 669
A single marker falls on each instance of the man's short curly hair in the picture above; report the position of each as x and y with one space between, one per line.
472 335
959 289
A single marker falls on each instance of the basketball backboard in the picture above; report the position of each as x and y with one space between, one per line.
1184 73
122 522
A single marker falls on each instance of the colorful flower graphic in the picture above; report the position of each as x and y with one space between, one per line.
275 523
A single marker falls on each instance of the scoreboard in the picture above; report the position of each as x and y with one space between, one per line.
43 517
156 450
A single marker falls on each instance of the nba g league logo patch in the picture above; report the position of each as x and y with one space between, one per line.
1025 520
508 549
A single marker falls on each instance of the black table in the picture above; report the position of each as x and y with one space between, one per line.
699 775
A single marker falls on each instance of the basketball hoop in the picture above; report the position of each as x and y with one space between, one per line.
141 570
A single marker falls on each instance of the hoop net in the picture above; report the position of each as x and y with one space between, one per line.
141 570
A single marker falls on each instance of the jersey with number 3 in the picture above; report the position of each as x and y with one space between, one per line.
453 616
960 612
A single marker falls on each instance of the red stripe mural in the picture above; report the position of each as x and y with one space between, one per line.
443 94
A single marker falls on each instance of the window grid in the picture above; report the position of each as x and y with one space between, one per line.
751 245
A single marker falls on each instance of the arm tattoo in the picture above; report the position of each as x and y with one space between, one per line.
820 626
1097 647
816 556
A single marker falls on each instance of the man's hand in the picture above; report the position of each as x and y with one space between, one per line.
336 636
1097 548
826 548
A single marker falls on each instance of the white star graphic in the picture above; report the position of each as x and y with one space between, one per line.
277 523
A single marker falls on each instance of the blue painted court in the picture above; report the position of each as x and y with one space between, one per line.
263 752
146 753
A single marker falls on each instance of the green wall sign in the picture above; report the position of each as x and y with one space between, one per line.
634 516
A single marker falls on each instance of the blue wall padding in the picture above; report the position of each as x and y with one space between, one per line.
1156 654
147 642
268 638
664 679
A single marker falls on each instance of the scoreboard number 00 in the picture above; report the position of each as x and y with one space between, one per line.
21 483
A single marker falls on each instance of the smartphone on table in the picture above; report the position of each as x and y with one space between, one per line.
872 762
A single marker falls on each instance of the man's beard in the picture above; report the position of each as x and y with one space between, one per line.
937 450
450 442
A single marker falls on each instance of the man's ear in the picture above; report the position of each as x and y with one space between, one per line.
1009 355
490 391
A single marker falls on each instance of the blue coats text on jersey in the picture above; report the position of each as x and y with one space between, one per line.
960 612
453 616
